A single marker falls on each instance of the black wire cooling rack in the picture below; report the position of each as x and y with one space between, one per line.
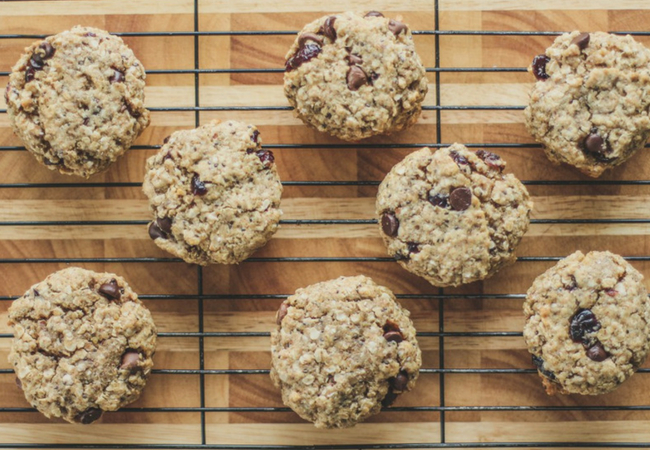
440 296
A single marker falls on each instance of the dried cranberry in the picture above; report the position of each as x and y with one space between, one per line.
303 55
266 156
491 159
198 186
582 323
458 158
539 67
439 200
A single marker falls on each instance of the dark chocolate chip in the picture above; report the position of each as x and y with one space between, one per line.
373 14
165 224
356 78
282 312
597 353
394 336
459 159
391 326
19 383
400 382
302 56
389 224
130 360
36 61
491 159
155 232
439 200
583 322
413 247
303 38
266 156
327 29
89 416
396 27
581 40
110 290
36 293
198 186
373 76
460 198
29 74
389 399
539 363
255 136
594 143
539 67
86 120
48 50
353 59
166 139
117 76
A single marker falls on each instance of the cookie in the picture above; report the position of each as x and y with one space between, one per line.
451 216
342 349
589 107
83 344
214 192
76 99
587 323
355 75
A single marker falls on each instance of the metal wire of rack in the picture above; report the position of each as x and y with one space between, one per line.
440 296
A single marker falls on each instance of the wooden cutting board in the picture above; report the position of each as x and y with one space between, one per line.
482 322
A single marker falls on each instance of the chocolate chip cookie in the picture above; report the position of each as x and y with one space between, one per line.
342 349
76 100
355 75
587 323
590 105
214 192
83 344
452 216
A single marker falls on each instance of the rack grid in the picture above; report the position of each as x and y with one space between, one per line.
441 297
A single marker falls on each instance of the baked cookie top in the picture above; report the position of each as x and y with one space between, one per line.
587 323
214 192
452 216
355 75
76 99
589 107
83 344
341 349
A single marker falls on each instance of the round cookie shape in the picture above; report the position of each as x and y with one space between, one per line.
342 349
590 105
214 192
355 75
451 216
83 344
587 323
76 99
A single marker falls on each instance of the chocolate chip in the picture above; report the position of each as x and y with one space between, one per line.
460 198
110 290
394 336
439 200
539 363
539 67
373 76
198 186
327 29
400 382
117 76
594 143
303 38
491 159
459 159
255 136
155 232
167 156
374 14
353 59
36 293
581 40
396 27
389 224
391 326
166 139
48 50
165 224
389 399
29 74
19 383
356 78
282 312
36 61
302 56
130 360
413 247
89 416
583 322
266 156
597 353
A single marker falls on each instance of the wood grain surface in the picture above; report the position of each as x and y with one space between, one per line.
99 222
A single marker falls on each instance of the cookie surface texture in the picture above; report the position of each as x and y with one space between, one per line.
214 192
354 75
83 344
587 323
452 216
76 99
341 349
590 105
